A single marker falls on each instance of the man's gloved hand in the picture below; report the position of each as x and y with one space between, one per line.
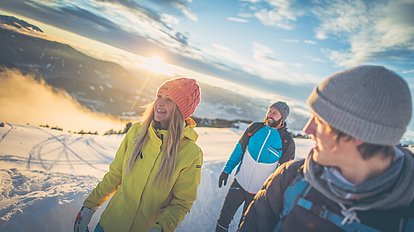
82 219
223 179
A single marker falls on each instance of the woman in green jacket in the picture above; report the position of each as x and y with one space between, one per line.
156 170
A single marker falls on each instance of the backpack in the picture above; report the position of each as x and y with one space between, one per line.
295 194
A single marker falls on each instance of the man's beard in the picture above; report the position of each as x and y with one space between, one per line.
273 123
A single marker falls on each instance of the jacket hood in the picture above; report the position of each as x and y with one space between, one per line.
189 131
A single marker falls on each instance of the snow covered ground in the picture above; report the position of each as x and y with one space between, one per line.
46 174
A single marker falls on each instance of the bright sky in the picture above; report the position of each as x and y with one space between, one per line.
279 47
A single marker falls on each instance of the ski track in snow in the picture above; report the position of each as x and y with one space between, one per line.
34 200
7 132
62 139
47 179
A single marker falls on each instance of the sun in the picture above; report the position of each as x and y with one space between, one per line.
155 64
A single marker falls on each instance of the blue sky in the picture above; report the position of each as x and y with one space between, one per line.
280 47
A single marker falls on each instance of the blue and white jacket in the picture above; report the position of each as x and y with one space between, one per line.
258 153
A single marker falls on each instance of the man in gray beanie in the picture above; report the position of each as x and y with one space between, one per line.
261 149
355 178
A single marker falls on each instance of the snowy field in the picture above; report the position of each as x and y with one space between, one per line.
46 174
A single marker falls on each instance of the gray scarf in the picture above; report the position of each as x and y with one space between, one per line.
394 188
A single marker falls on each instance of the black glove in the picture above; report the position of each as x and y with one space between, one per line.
223 179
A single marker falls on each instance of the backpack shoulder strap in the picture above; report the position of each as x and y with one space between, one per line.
254 127
250 131
408 225
294 195
297 187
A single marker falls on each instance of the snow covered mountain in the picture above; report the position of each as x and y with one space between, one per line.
99 85
18 23
107 87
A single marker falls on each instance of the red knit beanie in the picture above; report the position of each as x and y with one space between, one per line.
184 92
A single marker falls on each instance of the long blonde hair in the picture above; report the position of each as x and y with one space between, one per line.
170 144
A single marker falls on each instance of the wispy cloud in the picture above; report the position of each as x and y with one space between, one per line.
311 42
315 59
374 32
169 20
270 67
340 18
296 41
291 41
237 20
251 1
187 12
122 23
280 14
408 71
265 64
156 4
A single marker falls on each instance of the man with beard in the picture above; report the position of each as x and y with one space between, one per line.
261 149
355 178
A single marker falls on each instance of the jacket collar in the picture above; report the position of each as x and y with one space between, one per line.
188 131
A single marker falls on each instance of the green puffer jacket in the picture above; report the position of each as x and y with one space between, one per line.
138 204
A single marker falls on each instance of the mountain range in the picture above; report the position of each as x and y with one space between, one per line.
105 86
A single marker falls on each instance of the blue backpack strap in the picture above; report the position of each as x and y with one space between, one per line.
408 225
335 218
298 188
294 196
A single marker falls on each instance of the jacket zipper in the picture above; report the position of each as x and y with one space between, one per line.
258 157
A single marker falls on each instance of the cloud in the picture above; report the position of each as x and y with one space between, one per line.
24 99
296 41
268 66
315 59
291 40
124 24
264 64
81 15
187 12
237 20
311 42
373 31
408 71
340 18
149 8
251 1
169 20
281 14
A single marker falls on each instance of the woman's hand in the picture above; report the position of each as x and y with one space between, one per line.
82 219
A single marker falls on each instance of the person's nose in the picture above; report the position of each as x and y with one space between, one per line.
160 102
310 126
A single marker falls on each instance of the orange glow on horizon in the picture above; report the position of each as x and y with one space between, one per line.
156 64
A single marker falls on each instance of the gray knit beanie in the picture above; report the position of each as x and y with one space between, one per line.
367 102
283 108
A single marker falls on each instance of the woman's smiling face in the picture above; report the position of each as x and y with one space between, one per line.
163 110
